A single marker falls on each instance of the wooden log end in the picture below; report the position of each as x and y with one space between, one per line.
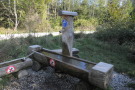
39 57
34 48
36 66
101 75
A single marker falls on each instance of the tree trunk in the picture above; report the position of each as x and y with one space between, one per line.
16 17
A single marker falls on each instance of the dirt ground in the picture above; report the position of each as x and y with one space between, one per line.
48 79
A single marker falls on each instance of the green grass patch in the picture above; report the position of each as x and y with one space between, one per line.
98 51
4 81
17 47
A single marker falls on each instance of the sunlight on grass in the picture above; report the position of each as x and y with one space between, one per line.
97 51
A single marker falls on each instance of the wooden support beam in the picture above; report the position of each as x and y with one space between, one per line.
14 65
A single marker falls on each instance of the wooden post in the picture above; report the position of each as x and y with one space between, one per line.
67 31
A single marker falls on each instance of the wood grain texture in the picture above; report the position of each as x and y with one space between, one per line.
68 13
19 65
67 36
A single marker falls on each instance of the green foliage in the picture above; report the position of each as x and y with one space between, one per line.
17 47
37 14
117 26
4 81
84 24
116 34
132 85
98 51
119 13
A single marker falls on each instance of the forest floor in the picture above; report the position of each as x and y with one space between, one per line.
47 79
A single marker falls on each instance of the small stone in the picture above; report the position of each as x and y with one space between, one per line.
22 73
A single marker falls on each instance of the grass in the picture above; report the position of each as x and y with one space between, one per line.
97 51
11 31
132 85
17 47
90 49
4 81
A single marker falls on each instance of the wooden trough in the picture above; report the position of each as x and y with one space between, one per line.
97 74
14 65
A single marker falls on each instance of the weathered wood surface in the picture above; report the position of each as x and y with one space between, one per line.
33 48
96 74
68 13
101 74
36 66
17 63
67 36
40 58
67 31
74 51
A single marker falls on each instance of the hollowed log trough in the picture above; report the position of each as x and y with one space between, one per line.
98 74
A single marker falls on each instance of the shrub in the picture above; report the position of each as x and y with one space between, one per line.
118 35
84 24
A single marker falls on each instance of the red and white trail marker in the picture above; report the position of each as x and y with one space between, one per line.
52 63
10 69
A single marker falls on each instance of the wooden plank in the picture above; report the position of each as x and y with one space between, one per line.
78 59
3 64
74 51
67 13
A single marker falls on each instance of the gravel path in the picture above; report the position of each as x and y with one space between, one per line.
47 79
8 36
120 81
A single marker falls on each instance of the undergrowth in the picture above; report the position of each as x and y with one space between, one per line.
4 80
98 51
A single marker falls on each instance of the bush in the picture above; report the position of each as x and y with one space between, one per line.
85 24
118 35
